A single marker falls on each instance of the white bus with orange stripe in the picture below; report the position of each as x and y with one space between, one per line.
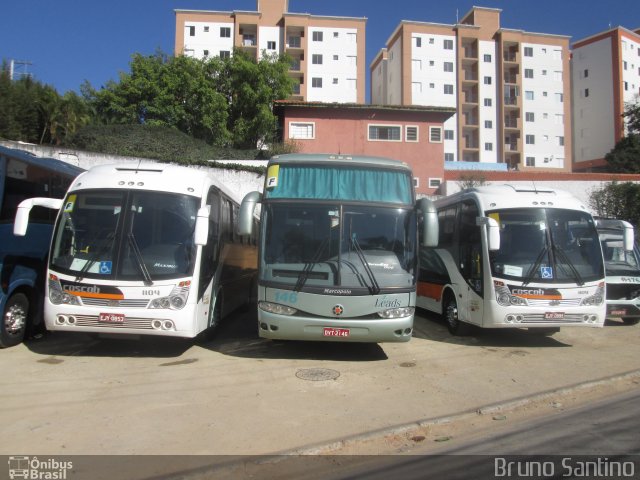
513 257
145 249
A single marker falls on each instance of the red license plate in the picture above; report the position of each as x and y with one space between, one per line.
335 332
554 315
619 312
111 318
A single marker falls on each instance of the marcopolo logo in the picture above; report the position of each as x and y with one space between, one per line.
38 469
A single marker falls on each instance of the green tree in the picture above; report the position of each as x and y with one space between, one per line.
251 88
632 115
625 156
617 200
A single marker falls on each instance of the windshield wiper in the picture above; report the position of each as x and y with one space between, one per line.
136 253
306 271
532 271
375 288
563 256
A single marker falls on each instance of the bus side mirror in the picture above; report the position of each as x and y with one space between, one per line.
429 222
493 232
245 217
201 235
24 208
628 236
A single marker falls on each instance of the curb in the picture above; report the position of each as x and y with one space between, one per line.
509 405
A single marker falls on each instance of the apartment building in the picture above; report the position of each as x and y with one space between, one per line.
605 77
510 88
328 52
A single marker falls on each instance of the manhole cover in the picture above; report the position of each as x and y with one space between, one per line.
317 374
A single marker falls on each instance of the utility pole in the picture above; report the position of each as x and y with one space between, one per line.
22 65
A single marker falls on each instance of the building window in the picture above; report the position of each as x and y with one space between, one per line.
302 130
448 89
317 36
448 66
530 117
225 54
416 182
487 80
336 58
316 59
387 133
435 134
531 161
418 42
488 102
432 85
586 73
448 157
624 64
448 44
431 40
271 45
336 34
192 31
488 146
205 53
528 95
530 139
411 133
488 124
586 92
434 182
528 51
561 141
335 81
559 97
225 32
448 134
487 58
528 73
206 29
316 82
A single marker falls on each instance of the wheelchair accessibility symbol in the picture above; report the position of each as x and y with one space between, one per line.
105 268
546 272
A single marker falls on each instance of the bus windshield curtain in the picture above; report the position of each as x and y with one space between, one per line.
350 184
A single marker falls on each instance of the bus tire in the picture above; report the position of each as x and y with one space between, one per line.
630 320
15 320
455 326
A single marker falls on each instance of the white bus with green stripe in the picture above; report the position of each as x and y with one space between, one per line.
338 248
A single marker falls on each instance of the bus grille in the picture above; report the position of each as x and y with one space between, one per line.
129 322
100 302
574 302
539 318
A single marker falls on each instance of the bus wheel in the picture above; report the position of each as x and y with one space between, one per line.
14 320
455 326
630 320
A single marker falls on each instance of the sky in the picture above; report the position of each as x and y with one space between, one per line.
70 41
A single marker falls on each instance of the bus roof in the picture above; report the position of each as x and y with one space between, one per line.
493 197
188 180
42 162
352 160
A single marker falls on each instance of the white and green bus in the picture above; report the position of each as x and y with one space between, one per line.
338 248
513 257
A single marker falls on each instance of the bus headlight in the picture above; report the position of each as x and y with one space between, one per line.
504 297
595 299
176 300
397 312
57 296
276 308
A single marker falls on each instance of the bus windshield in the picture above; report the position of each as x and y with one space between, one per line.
362 248
547 245
125 235
617 260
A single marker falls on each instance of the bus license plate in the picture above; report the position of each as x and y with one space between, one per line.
111 318
554 315
618 312
335 332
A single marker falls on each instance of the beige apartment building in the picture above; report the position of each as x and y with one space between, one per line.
328 52
510 88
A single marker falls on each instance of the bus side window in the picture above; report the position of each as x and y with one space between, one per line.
470 246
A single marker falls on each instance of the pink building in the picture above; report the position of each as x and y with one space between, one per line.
411 134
